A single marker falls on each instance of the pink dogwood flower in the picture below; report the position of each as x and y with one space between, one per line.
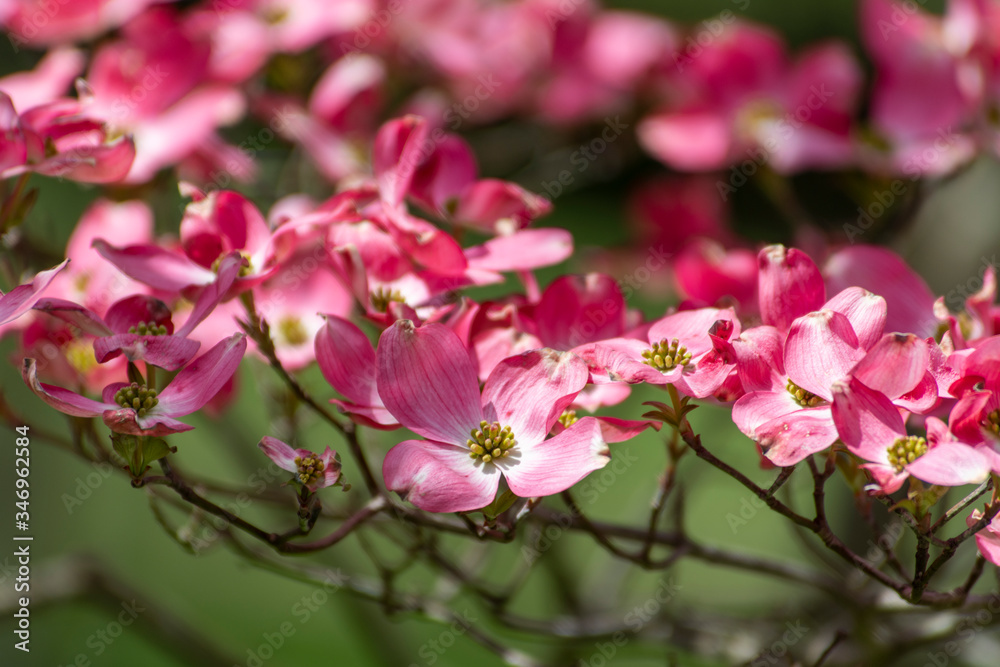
312 471
140 326
872 428
428 382
791 417
686 349
141 410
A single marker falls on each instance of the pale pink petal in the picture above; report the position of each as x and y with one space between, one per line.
688 141
951 464
282 454
759 359
691 328
895 365
792 438
789 285
867 421
865 311
554 465
821 348
368 415
525 250
427 381
620 360
756 408
909 301
198 382
437 477
529 392
63 400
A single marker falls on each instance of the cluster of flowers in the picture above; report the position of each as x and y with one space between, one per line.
497 388
719 91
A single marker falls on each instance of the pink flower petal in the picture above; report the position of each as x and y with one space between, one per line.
821 348
156 267
789 285
75 314
347 360
63 400
759 353
200 381
575 310
282 454
865 311
397 153
525 250
614 429
124 420
554 465
130 311
529 392
895 365
20 299
437 477
909 302
866 420
427 381
757 408
167 352
951 464
795 436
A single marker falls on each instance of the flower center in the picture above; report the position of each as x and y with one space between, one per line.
148 329
490 441
992 422
80 355
244 271
310 469
291 330
906 450
804 398
381 297
666 355
138 397
568 418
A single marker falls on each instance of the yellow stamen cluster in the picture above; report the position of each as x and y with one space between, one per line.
804 398
138 397
906 450
148 329
666 355
489 441
244 271
381 298
292 331
310 469
80 355
568 418
992 422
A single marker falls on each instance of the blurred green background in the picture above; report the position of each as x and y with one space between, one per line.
80 517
